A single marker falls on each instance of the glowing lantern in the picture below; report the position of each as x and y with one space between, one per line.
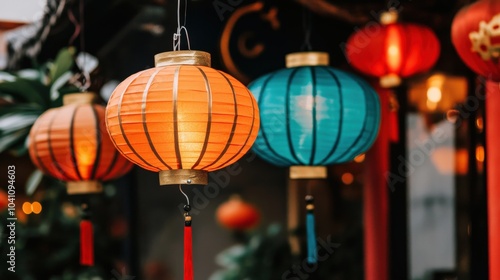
238 215
394 51
70 143
312 116
182 118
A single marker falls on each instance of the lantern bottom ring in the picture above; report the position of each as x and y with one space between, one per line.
83 187
308 172
183 177
390 80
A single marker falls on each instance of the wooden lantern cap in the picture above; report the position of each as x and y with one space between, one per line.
198 58
308 172
83 187
390 80
307 59
389 17
183 177
80 98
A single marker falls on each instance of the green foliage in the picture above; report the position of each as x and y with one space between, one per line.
26 94
47 245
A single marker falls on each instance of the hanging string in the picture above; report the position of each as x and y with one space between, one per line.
86 75
307 29
188 240
180 28
312 253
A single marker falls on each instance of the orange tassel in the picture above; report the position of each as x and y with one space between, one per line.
86 243
188 250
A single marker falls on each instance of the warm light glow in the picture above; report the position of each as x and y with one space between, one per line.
434 94
36 207
393 44
27 209
480 153
347 178
431 105
480 124
360 158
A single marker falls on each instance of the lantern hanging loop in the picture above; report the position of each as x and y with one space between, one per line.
177 35
185 195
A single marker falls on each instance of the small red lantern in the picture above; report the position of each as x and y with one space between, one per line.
4 200
237 215
475 33
392 50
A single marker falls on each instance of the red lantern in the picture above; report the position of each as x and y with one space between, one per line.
4 200
475 33
392 50
236 214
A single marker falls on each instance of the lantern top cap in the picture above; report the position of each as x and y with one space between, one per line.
389 17
80 98
198 58
307 59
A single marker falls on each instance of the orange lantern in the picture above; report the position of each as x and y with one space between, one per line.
238 215
182 118
70 143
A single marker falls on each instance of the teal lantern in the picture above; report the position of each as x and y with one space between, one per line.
314 115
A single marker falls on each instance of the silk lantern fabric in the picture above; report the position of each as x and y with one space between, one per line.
70 143
475 34
396 50
314 115
182 116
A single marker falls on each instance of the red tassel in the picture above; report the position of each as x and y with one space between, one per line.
86 243
188 253
394 127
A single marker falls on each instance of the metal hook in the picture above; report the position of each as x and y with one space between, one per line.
187 198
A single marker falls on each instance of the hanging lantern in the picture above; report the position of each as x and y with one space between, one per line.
474 32
70 143
182 118
392 50
312 116
238 215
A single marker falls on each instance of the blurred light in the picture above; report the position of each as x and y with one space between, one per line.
27 209
36 207
452 115
431 105
434 94
347 178
360 158
480 153
480 124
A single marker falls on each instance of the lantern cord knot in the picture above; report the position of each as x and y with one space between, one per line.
177 34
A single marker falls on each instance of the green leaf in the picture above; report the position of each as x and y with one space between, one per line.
62 64
26 90
33 182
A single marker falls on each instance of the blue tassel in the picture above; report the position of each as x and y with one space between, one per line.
312 253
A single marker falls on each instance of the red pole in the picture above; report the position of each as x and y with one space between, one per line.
493 175
376 202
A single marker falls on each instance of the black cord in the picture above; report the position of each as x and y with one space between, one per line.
307 29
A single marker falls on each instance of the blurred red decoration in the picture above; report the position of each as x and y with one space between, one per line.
392 50
475 33
238 215
4 200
